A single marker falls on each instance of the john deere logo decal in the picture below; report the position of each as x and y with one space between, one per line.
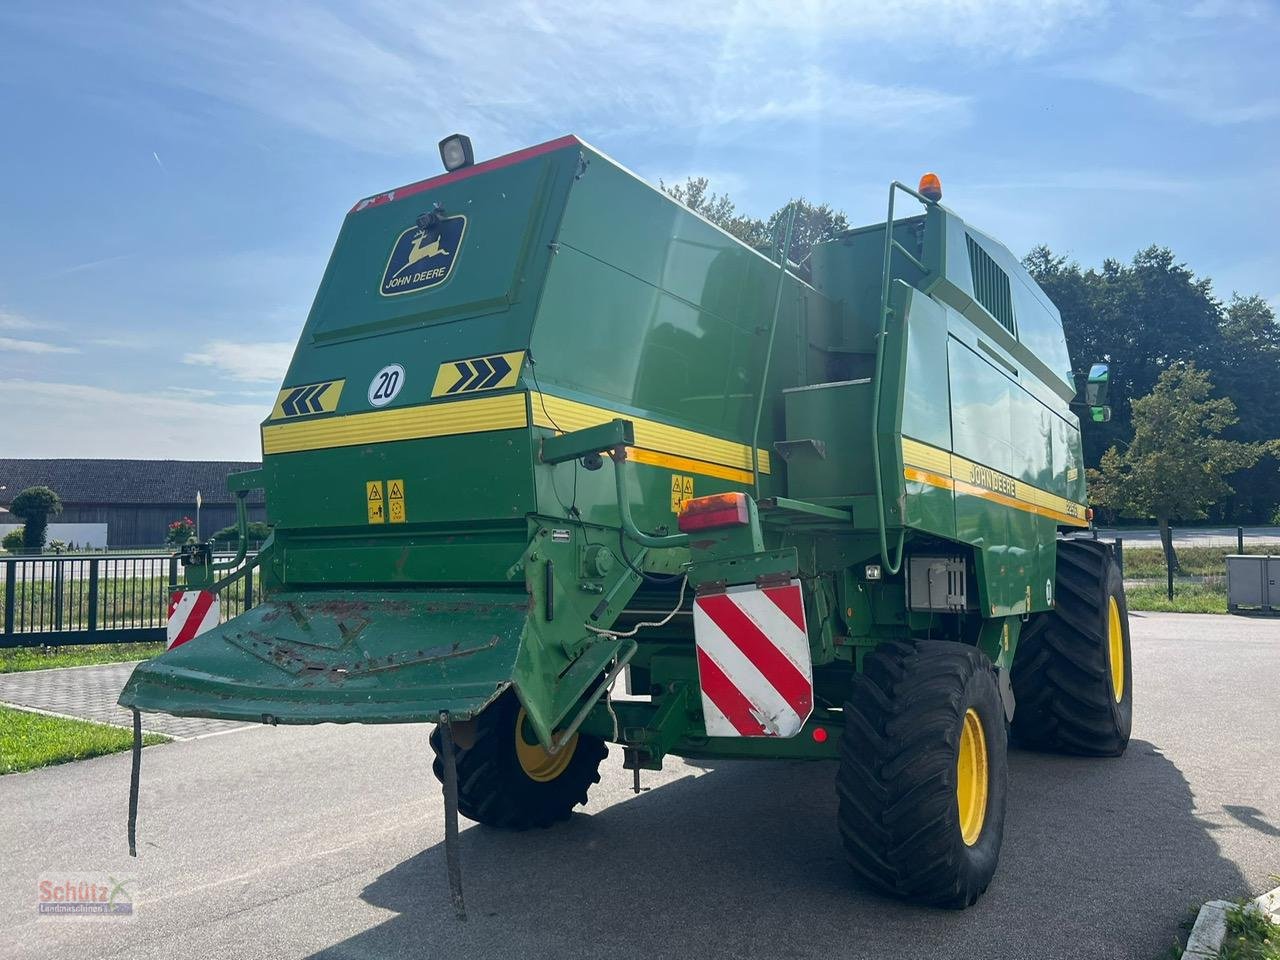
423 258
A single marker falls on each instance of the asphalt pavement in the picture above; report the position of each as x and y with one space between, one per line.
1196 536
327 843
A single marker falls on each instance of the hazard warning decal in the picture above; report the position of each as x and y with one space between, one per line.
753 661
191 613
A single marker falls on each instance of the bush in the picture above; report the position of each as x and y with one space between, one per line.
12 540
1275 516
34 506
58 546
258 531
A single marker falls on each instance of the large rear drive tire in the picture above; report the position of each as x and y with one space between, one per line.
1073 673
923 776
506 779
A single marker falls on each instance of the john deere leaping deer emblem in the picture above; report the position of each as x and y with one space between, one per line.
423 256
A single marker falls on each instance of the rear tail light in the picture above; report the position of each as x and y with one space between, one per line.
718 510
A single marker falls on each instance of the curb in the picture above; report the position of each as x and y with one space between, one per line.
1211 924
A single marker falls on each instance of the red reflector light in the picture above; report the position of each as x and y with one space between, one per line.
717 510
819 734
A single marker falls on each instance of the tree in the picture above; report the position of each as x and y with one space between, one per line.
695 193
813 225
34 506
1178 461
814 222
1142 317
1248 374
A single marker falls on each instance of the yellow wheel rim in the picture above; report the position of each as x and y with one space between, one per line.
534 760
1115 641
972 778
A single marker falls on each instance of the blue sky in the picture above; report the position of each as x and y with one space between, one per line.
175 173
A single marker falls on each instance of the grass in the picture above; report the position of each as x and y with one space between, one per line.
30 740
123 602
1141 562
1187 598
18 659
1250 936
1206 595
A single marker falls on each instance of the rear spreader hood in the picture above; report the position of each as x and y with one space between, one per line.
371 657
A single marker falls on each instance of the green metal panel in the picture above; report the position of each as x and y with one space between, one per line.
577 295
341 657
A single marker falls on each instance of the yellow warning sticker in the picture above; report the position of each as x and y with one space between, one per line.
375 501
494 372
681 491
307 399
395 500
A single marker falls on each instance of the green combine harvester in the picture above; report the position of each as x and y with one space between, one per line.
546 427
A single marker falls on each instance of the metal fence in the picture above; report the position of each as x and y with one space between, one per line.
54 600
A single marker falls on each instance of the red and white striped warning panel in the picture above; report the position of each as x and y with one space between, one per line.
753 661
191 613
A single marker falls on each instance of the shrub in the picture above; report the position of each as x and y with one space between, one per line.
12 540
34 506
258 531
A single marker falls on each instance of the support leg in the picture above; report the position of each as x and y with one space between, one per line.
451 856
133 783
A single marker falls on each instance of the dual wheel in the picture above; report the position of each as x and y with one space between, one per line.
923 777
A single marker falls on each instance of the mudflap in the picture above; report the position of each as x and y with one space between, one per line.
344 657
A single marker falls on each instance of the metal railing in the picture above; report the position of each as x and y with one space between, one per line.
891 246
59 600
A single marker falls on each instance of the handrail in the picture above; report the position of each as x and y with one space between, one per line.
892 566
619 457
768 353
242 536
219 585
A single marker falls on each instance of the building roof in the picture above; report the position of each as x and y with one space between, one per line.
125 481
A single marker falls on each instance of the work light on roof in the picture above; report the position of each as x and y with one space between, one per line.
455 152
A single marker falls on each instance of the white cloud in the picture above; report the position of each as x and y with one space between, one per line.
1211 61
16 321
369 75
248 362
33 346
73 420
137 342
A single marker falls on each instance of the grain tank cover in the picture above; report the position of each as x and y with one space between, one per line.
475 258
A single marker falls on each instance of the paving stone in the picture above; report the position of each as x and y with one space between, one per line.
90 693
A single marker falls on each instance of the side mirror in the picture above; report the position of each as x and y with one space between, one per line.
1098 385
1096 388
